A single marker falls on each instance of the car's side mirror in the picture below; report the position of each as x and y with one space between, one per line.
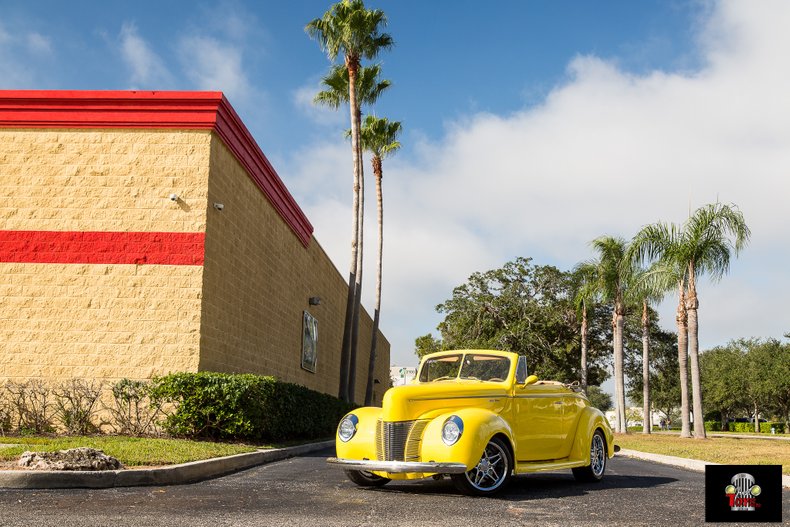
532 379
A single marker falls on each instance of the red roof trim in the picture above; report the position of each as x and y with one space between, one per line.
156 109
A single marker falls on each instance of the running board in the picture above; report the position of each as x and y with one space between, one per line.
523 467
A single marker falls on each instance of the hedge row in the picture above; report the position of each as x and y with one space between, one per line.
245 406
765 428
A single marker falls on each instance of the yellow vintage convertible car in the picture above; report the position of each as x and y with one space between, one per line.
477 416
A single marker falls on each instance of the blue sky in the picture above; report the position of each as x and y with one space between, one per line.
530 127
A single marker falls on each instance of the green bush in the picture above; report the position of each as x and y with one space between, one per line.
741 427
779 428
713 426
245 406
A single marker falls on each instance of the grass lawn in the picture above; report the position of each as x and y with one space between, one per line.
725 450
131 451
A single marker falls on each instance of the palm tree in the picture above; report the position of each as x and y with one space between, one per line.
349 29
658 243
649 287
586 295
702 246
710 233
615 275
335 87
369 89
378 136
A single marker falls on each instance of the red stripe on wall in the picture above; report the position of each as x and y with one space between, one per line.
162 248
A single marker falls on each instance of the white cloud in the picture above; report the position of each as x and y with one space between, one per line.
605 153
146 67
212 64
39 44
321 115
23 56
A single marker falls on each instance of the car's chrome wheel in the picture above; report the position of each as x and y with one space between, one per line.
491 473
597 455
594 471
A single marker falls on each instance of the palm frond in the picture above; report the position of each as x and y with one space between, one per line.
379 135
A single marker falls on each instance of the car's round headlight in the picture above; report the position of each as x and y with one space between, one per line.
452 429
348 427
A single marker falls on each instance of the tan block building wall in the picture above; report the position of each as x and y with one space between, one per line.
252 316
100 321
239 312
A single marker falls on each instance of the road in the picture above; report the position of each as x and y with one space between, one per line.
305 492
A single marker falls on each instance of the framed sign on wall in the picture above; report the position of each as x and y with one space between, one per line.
309 342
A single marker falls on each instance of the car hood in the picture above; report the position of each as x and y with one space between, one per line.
415 401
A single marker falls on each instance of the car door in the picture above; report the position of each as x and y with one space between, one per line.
538 415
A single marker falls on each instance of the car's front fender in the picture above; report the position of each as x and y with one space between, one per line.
363 444
479 426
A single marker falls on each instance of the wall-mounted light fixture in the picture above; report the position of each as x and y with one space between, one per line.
314 300
219 206
173 197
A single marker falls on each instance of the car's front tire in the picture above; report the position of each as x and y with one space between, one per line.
366 479
593 472
491 474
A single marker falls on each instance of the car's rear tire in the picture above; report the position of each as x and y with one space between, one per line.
366 479
492 472
593 472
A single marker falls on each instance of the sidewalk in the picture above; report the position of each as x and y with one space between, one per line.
171 475
689 464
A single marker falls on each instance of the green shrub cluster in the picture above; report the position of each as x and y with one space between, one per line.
244 406
779 428
765 428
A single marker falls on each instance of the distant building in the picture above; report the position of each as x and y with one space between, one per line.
401 375
635 417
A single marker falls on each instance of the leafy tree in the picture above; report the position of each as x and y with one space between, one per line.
426 345
350 30
523 308
599 398
723 379
615 274
767 378
379 137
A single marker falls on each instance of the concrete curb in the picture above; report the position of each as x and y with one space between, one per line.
689 464
172 475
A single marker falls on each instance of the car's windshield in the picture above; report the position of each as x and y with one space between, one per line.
471 366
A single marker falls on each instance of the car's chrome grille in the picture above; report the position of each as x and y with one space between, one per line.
399 440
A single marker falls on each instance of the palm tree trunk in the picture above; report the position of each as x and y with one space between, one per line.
692 303
346 375
647 425
682 321
584 348
619 379
358 289
377 172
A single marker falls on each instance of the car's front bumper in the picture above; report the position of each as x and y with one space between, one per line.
397 467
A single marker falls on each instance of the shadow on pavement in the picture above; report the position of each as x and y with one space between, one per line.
530 487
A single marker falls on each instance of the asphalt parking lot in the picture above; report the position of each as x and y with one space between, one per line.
304 491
